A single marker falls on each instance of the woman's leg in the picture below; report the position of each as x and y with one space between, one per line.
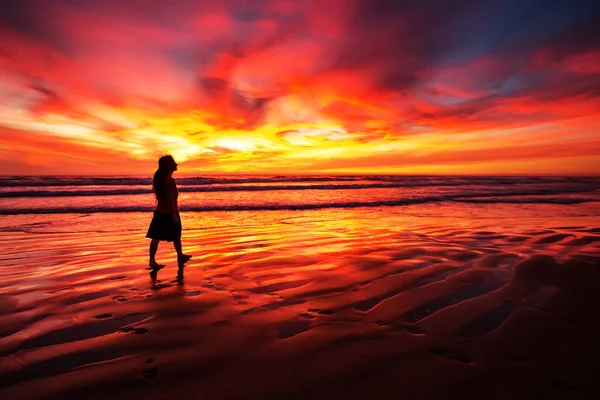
181 258
177 245
153 250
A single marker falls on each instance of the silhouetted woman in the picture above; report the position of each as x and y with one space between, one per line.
166 224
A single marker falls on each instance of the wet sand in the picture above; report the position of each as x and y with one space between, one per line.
429 302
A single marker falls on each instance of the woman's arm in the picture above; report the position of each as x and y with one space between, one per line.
172 199
174 205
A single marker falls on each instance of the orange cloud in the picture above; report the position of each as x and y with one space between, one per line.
286 86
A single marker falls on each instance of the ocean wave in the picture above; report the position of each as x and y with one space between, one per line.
129 181
408 180
464 198
200 189
558 189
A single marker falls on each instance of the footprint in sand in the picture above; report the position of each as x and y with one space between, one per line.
160 285
120 298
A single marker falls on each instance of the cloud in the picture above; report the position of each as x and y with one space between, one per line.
219 83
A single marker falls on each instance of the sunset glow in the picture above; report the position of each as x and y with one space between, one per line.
274 86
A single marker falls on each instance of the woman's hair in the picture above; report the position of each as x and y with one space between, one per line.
159 183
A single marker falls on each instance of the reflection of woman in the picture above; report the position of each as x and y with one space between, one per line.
165 224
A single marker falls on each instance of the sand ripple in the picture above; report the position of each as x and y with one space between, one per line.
302 304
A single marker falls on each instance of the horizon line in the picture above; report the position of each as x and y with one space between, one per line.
192 175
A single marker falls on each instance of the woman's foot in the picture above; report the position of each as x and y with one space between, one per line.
183 258
179 279
154 266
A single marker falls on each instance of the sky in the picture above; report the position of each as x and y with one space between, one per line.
310 86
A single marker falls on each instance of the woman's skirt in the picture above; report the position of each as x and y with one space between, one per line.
162 227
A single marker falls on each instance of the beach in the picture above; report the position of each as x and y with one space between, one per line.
430 300
375 200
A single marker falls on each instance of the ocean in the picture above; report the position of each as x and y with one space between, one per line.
73 194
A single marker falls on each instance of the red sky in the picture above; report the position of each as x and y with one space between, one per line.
285 86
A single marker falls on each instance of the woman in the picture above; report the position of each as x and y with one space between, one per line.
165 224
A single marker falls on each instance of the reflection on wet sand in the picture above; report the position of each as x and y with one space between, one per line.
486 303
